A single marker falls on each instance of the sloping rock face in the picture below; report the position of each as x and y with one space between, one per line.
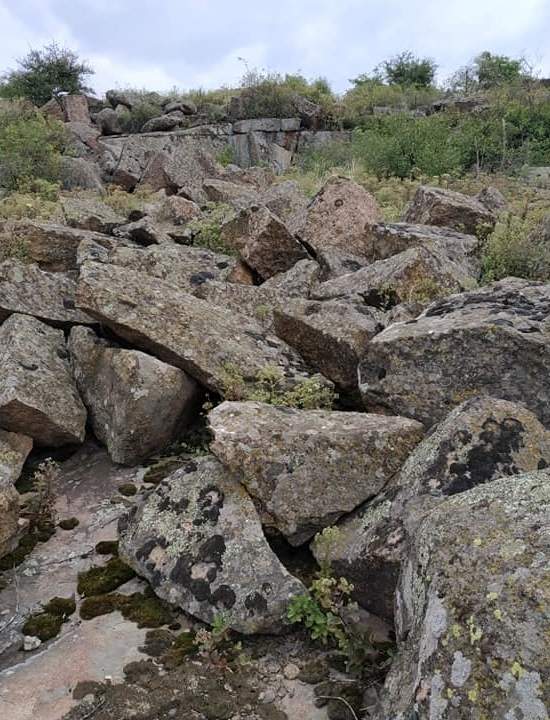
198 540
472 608
14 449
263 241
330 336
136 402
38 395
494 341
480 441
436 206
338 218
210 343
53 247
90 214
309 467
48 296
418 274
387 239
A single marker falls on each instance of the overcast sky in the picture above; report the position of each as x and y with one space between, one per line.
160 44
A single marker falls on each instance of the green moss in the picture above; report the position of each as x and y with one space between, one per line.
145 609
107 547
24 548
93 607
183 646
43 625
63 607
69 523
128 489
101 580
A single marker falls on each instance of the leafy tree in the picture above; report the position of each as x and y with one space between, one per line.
407 69
494 70
41 72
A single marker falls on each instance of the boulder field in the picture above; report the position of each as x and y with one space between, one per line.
306 381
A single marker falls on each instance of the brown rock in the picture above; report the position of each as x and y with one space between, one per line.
436 206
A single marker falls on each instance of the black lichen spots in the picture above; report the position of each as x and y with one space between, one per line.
201 277
256 604
224 597
210 503
212 550
145 550
491 455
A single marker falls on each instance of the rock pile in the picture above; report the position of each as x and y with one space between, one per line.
357 378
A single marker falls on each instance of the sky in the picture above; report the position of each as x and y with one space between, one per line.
161 44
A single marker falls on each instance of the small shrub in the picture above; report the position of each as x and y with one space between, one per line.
516 249
205 231
227 156
41 510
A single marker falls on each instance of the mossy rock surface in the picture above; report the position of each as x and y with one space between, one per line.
44 626
127 489
105 579
144 609
107 547
63 607
69 523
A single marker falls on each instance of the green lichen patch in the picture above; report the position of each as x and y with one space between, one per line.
63 607
144 609
127 489
44 626
104 579
107 547
69 523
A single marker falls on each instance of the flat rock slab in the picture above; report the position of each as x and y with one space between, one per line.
198 540
309 467
38 395
483 439
24 288
472 608
494 341
208 342
40 684
137 403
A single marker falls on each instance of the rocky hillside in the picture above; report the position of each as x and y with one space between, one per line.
267 457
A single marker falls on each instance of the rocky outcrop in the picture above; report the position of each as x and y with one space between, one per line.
108 122
308 467
220 349
47 296
76 173
89 213
263 241
199 542
436 206
338 218
38 395
136 403
480 441
489 342
420 274
330 336
472 608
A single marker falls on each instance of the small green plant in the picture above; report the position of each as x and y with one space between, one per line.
226 156
206 230
516 248
41 508
216 644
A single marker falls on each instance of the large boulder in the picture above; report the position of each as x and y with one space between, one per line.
38 395
330 336
263 241
418 274
494 341
199 542
387 239
481 440
238 195
298 281
338 218
91 213
77 173
75 108
26 289
108 122
14 449
163 123
472 608
309 467
436 206
136 403
218 348
53 247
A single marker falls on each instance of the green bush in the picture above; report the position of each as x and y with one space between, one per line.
43 72
30 146
517 247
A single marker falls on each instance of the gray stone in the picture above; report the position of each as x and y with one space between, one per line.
212 344
420 274
76 173
263 241
14 449
108 122
26 289
492 199
309 467
75 108
238 195
296 282
116 97
143 232
330 336
480 441
90 213
436 206
187 107
198 540
38 395
472 601
494 341
163 123
288 202
136 403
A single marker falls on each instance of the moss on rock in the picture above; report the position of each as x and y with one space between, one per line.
105 579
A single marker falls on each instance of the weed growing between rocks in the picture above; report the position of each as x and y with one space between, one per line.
205 231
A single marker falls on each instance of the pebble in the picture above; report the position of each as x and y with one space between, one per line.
291 671
31 643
